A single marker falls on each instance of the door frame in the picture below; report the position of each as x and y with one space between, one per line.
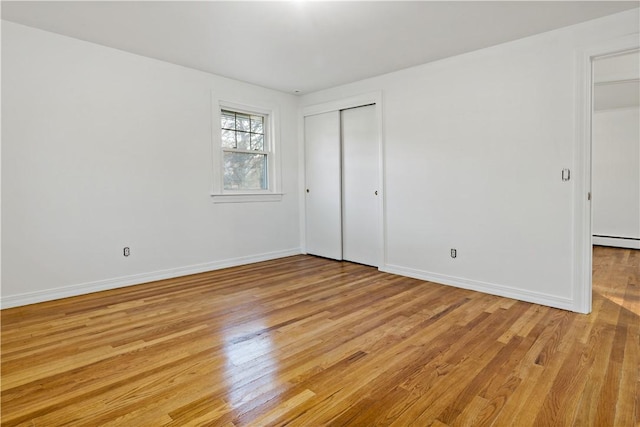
338 105
583 240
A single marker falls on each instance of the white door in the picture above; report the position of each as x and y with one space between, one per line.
323 185
360 180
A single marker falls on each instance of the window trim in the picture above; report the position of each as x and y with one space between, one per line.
272 137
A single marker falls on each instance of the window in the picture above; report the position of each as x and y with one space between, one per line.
245 161
245 151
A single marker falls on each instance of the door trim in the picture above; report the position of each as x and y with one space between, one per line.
583 240
343 104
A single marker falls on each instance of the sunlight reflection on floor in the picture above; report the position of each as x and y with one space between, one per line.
620 302
249 360
615 272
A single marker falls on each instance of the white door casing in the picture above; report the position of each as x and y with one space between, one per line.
582 221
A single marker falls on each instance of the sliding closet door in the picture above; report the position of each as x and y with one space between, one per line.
360 192
323 185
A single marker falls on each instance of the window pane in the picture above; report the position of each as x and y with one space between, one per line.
228 138
227 120
257 142
243 140
257 125
243 122
244 171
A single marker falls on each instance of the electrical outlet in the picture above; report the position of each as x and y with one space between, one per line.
126 251
454 253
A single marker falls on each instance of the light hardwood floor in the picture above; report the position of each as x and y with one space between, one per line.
306 341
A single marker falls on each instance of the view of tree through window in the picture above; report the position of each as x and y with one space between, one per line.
244 146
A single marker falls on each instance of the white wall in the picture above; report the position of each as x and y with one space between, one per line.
103 149
474 148
617 68
616 174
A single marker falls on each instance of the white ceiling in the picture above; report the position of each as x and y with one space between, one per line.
303 46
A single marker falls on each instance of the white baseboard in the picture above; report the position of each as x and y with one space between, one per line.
136 279
484 287
616 242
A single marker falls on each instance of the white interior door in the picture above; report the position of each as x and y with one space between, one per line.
360 180
323 185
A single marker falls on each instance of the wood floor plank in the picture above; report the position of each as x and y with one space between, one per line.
306 341
624 414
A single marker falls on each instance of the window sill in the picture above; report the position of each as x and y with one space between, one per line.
246 197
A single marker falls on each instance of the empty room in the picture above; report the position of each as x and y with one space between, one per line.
311 213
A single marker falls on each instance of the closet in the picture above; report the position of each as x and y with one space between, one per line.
342 179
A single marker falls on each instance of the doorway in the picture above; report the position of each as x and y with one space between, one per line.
583 229
615 150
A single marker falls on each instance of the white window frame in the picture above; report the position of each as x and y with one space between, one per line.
271 134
